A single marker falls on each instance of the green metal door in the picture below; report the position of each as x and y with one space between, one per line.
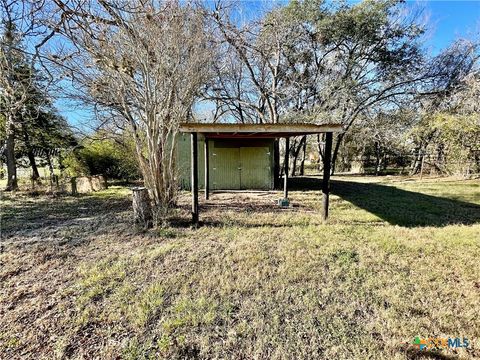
255 168
225 172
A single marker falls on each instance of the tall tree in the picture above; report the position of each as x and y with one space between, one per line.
250 83
142 65
319 61
13 88
18 81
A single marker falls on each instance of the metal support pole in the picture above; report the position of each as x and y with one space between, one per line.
207 174
327 164
285 175
194 182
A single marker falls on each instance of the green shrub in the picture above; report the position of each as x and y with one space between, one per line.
104 156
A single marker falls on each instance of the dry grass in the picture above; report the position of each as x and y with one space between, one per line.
397 259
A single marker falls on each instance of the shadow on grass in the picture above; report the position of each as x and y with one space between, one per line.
414 354
213 215
28 214
397 206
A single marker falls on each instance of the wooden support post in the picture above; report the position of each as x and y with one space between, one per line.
207 174
194 182
285 175
327 164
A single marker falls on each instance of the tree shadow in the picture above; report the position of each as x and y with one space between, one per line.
29 216
213 213
414 354
406 208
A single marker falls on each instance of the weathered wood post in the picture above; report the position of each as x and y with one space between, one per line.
327 164
207 175
285 175
142 207
194 182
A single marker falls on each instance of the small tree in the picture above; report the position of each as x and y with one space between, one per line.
100 154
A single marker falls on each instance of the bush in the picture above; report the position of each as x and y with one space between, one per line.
106 157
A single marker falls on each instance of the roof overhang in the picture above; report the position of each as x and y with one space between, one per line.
257 130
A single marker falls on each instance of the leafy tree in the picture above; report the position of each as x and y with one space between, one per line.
13 90
448 132
320 61
30 123
38 130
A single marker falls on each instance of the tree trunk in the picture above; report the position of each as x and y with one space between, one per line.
12 183
320 152
335 151
31 156
296 152
142 208
384 161
49 162
302 163
417 162
377 158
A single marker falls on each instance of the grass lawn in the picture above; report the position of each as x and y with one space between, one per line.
397 259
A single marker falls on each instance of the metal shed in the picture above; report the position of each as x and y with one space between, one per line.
232 152
245 164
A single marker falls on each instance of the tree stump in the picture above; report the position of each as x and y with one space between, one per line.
142 207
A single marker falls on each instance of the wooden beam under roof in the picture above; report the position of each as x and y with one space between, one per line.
259 130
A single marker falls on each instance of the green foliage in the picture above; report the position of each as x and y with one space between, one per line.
38 128
104 156
453 138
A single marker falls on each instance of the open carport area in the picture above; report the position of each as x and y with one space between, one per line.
238 134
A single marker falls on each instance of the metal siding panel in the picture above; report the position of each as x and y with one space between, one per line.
184 161
272 164
225 161
225 172
255 167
